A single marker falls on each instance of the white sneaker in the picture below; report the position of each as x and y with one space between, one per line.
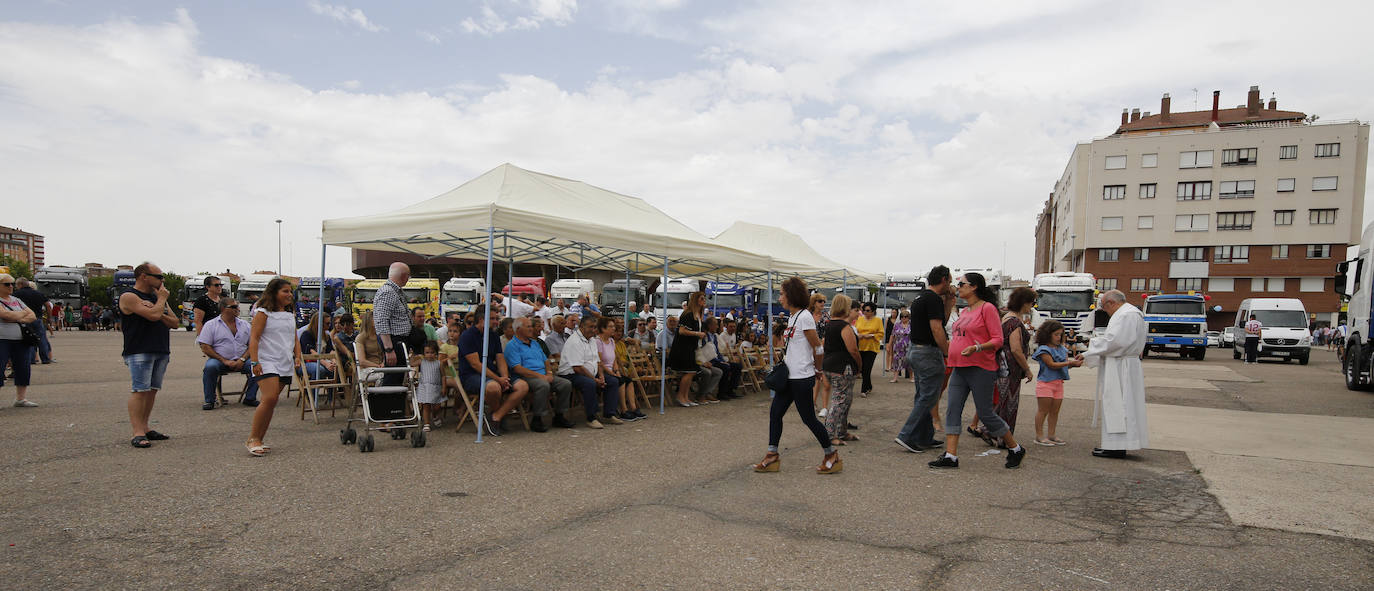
25 403
595 424
821 414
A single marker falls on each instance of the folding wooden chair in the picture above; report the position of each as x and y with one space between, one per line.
464 405
332 385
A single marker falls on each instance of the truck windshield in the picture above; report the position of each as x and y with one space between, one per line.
60 289
459 297
249 296
193 293
415 296
364 296
1076 301
308 295
1281 318
675 300
725 301
897 298
1176 307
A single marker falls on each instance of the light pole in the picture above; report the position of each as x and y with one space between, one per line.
279 247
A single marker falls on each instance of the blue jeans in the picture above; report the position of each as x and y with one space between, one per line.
978 383
798 392
14 351
214 369
44 349
928 366
587 387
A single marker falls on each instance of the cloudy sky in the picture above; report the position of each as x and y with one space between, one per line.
891 135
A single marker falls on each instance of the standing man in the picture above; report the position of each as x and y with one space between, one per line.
391 319
146 321
206 307
1253 328
225 341
527 360
926 357
42 308
1120 401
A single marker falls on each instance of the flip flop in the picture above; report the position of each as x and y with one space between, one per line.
1046 443
140 442
256 451
155 436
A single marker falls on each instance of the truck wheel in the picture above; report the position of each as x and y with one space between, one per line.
1201 353
1303 360
1351 367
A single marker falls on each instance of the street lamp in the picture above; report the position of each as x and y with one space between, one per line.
279 247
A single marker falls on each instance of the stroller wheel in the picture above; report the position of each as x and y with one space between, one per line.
417 439
343 436
352 435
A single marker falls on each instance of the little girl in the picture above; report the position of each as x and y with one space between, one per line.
429 392
1049 383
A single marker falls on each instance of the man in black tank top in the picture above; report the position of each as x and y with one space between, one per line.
146 321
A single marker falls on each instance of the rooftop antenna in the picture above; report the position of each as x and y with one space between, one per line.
1194 99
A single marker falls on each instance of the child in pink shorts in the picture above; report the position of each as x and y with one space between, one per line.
1049 382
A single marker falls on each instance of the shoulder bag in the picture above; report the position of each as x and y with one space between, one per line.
777 378
27 334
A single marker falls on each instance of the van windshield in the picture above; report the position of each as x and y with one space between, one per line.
675 300
1281 318
460 297
1176 307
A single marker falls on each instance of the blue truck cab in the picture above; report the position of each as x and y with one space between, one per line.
308 296
1176 323
723 296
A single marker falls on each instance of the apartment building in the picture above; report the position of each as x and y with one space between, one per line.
1234 203
23 246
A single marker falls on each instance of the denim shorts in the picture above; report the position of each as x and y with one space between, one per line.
146 370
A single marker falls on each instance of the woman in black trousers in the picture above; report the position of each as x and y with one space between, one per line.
800 356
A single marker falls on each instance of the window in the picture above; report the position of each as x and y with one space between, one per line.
1145 222
1113 192
1138 284
1202 159
1286 185
1195 190
1232 254
1237 189
1191 223
1192 284
1323 183
1111 223
1239 157
1149 160
1235 220
1288 152
1107 255
1319 251
1106 284
1327 151
1147 190
1141 254
1116 162
1187 254
1221 284
1321 216
1312 284
1257 284
1276 284
1154 284
1280 251
1283 217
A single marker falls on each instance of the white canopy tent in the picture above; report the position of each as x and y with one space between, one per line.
791 255
529 217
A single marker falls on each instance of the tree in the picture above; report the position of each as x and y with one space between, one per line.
175 285
100 290
17 267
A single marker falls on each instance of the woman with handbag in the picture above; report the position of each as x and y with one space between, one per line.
793 380
1015 354
682 355
17 336
976 337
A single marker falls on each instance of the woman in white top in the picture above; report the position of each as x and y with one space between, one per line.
801 342
13 351
275 354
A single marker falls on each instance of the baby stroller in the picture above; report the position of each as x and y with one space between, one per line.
391 408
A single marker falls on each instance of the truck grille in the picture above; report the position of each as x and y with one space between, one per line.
1281 342
1175 328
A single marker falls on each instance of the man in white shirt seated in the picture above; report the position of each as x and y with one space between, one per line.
580 364
224 340
708 378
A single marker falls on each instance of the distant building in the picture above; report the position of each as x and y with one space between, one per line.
22 246
1234 203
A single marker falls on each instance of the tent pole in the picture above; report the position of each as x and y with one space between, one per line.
715 290
486 340
625 301
844 283
319 308
663 357
768 330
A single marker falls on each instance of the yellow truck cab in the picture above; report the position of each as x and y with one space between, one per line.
419 293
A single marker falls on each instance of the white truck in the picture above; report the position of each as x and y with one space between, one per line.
569 290
64 285
1353 282
1067 297
992 276
897 291
460 295
672 296
250 289
195 287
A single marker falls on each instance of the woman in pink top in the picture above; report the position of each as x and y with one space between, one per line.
976 337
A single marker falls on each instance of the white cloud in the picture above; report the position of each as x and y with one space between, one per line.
346 15
519 15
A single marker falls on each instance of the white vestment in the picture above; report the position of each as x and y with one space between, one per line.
1120 404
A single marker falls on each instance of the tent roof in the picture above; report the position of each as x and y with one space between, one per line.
539 218
791 255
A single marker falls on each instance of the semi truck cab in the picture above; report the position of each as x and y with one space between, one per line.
1176 323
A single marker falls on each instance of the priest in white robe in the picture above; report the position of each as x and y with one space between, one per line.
1120 404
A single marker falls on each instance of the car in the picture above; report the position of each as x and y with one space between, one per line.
1228 338
1213 338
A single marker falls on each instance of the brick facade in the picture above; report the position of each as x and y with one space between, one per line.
1261 264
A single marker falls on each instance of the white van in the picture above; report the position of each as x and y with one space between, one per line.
569 290
1284 336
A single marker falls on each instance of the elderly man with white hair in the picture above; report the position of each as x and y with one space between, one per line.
391 318
1120 404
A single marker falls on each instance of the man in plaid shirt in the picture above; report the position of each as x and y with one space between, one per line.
391 317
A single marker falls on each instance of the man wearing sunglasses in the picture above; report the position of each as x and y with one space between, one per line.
207 306
146 321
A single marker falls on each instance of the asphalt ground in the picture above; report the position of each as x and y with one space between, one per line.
666 503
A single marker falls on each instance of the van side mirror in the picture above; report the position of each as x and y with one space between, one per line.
1342 269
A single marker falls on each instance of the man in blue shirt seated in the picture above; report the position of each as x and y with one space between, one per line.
526 359
502 392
